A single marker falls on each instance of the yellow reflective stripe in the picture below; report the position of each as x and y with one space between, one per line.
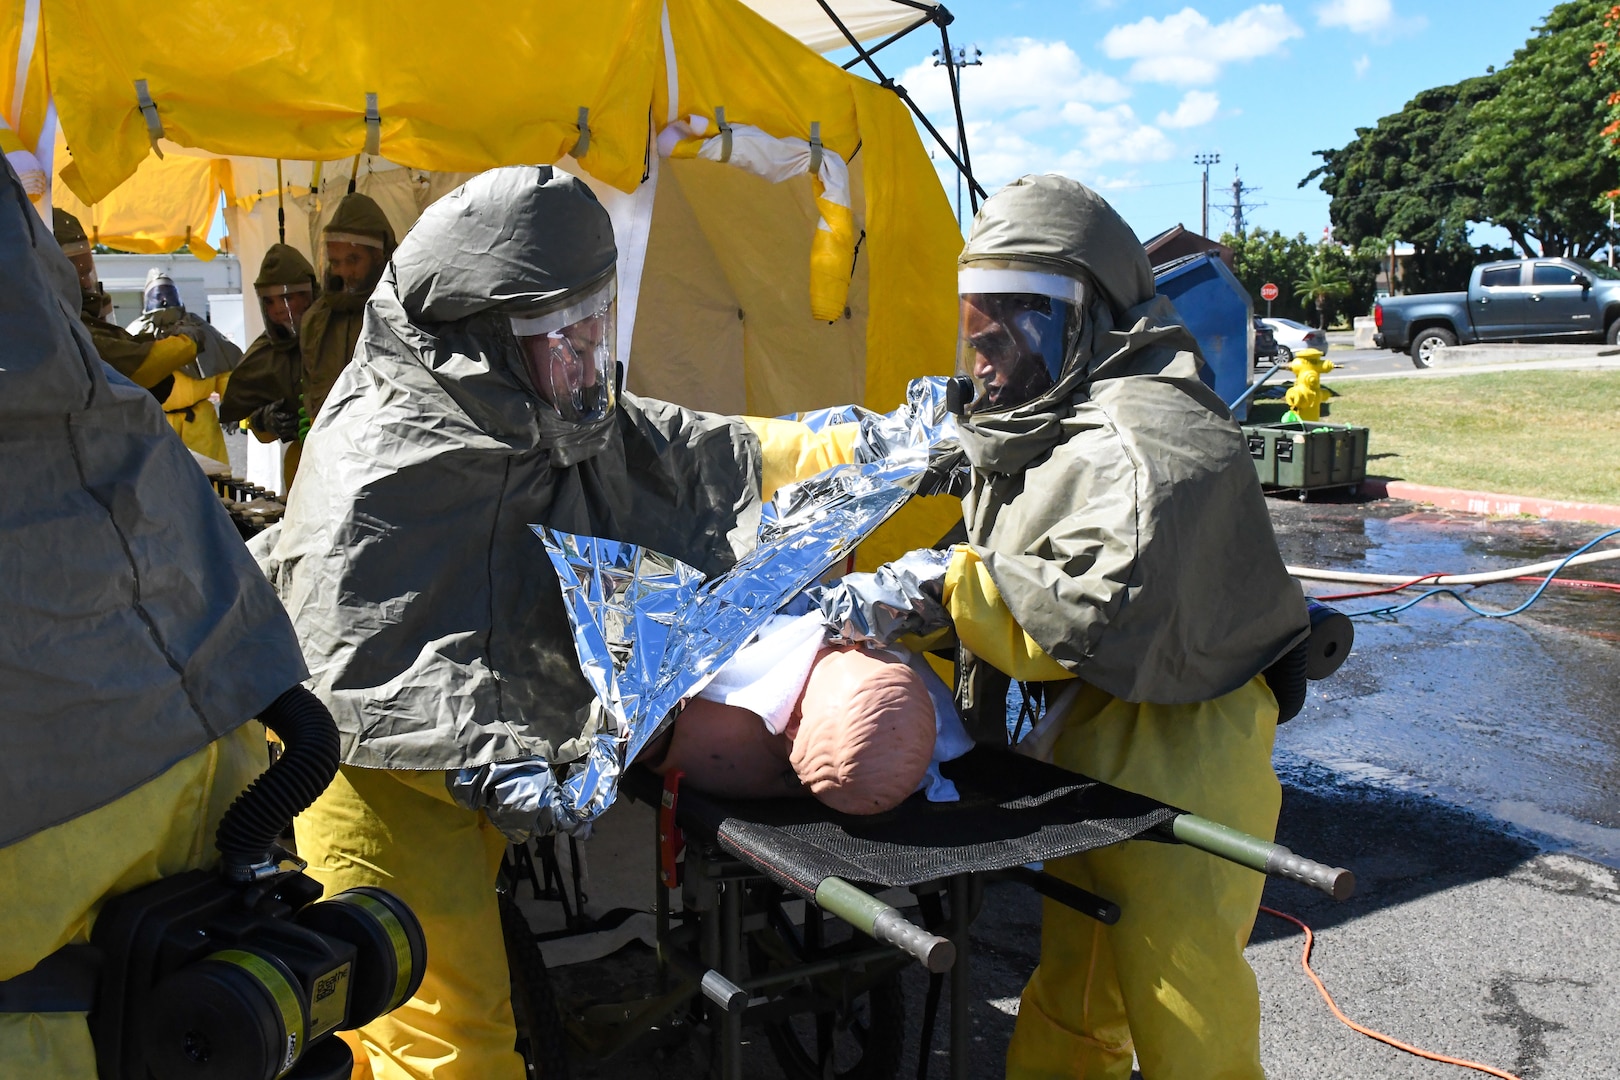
396 936
286 998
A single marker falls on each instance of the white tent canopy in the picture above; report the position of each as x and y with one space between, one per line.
868 20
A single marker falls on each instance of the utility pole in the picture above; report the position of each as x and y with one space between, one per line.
1240 189
964 57
1206 160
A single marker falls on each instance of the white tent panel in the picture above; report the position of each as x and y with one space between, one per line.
868 20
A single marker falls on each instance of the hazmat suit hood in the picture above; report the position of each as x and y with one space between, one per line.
429 612
1118 513
66 228
284 264
137 628
360 214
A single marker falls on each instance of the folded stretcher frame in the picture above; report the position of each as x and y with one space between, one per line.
1014 812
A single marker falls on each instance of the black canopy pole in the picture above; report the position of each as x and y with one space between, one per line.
891 39
890 84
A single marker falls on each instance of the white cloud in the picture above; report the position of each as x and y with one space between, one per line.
1373 17
1021 73
1187 49
1363 62
1357 16
1196 107
1034 107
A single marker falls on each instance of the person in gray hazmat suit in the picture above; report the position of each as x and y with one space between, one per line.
483 398
1120 557
138 640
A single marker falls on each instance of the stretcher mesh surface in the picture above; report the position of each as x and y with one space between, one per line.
1013 811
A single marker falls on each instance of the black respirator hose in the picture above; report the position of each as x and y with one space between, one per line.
262 813
1286 677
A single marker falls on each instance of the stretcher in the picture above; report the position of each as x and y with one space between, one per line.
829 1002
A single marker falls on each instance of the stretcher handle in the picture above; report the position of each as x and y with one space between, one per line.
1271 859
723 992
876 919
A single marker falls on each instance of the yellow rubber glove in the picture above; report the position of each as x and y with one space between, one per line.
790 451
987 628
164 358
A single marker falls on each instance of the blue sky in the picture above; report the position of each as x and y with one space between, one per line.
1122 95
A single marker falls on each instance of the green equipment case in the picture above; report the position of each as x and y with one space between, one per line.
1308 455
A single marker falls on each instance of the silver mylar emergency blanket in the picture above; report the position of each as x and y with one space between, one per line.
650 630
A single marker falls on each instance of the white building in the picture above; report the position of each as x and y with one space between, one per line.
210 289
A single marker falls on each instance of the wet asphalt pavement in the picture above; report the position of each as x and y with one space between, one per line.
1465 769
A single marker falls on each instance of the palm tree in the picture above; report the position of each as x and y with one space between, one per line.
1320 284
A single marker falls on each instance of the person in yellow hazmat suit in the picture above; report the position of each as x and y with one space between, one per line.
484 397
265 389
358 242
1120 563
189 406
147 362
149 642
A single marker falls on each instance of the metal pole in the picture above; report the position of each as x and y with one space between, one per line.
1206 160
953 62
961 893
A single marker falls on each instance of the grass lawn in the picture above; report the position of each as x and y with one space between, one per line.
1555 434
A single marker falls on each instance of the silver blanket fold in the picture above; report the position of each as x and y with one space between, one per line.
651 630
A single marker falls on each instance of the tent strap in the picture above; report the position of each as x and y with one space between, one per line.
725 133
584 143
154 123
373 125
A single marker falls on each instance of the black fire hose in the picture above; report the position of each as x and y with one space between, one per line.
262 813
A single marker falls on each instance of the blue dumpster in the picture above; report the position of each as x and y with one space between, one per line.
1216 307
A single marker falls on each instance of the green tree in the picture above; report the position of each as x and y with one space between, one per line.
1537 151
1320 283
1397 180
1259 256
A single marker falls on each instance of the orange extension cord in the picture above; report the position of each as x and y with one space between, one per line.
1305 962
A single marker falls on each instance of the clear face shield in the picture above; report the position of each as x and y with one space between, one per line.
284 306
1017 330
159 296
571 354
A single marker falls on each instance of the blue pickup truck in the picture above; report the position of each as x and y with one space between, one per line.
1521 300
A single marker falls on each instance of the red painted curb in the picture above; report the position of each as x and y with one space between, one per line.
1485 502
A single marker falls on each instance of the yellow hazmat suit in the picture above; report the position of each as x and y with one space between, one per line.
1184 1000
53 884
192 415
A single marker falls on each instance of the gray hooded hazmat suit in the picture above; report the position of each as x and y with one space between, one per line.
430 616
1118 513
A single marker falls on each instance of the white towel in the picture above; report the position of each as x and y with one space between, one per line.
767 675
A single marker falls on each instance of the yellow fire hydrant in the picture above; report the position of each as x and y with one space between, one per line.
1306 396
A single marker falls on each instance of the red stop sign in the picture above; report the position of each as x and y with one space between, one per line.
1268 291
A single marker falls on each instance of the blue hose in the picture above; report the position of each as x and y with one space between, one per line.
1396 609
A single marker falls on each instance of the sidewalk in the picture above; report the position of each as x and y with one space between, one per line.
1608 360
1491 504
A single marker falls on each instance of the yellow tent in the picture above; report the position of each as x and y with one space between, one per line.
785 244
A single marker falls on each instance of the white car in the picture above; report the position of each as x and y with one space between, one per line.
1293 336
